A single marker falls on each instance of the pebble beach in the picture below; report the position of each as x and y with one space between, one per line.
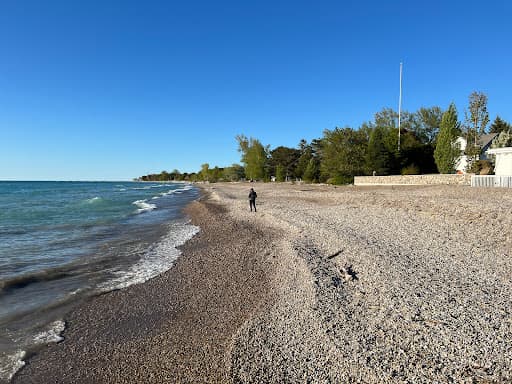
322 284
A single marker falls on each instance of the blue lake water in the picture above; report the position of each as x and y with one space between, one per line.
61 242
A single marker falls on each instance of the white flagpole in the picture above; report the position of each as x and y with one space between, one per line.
399 107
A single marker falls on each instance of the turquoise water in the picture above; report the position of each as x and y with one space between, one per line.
61 242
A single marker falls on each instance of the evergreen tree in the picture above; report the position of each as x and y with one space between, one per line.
307 152
500 125
303 162
312 171
280 173
378 158
446 152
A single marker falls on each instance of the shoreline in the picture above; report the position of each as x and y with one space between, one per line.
164 328
323 284
87 239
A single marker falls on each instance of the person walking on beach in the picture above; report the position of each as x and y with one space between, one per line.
252 199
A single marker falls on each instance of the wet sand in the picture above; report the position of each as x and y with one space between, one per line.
322 284
177 327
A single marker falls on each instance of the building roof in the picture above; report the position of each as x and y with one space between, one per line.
486 140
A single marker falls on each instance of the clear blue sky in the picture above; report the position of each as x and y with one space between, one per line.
99 90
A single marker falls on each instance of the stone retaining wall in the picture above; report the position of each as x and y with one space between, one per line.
414 180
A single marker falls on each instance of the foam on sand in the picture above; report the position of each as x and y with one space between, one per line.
10 364
52 335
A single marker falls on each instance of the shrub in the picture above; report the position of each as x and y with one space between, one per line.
410 170
482 167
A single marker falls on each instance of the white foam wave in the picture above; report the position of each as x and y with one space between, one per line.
141 188
172 191
51 335
144 206
157 259
10 364
177 190
95 199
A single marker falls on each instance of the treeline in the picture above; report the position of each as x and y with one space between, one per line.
342 153
426 144
233 173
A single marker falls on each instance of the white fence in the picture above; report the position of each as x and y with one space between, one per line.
491 181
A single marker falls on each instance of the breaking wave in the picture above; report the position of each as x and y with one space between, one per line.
156 260
144 206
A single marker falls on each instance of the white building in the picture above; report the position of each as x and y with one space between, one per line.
462 162
503 163
484 142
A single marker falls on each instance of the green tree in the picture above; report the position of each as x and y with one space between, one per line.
312 171
193 177
343 153
215 174
386 118
447 152
204 173
175 175
254 157
285 158
280 173
378 158
415 155
427 125
164 176
417 134
366 129
306 154
234 173
499 125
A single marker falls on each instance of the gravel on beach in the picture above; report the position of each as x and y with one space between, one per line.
177 327
321 285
